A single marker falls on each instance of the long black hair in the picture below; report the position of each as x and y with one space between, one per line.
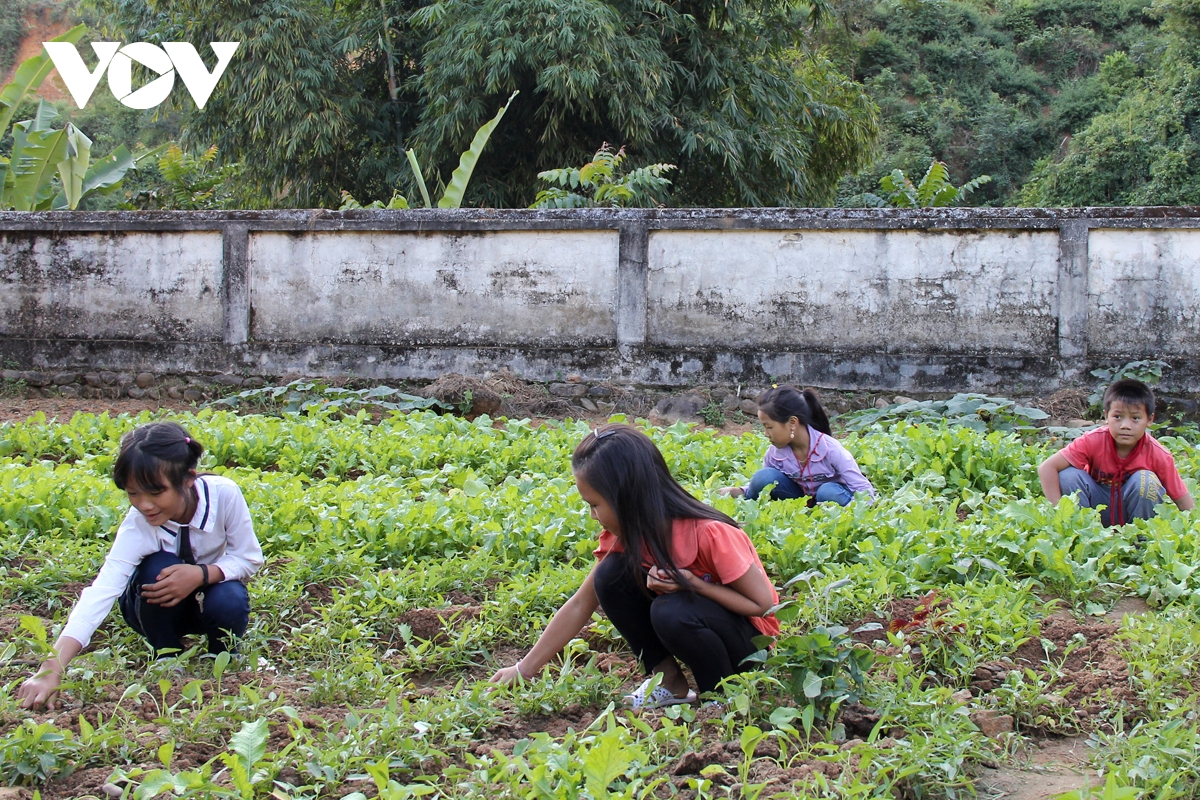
154 453
625 468
784 402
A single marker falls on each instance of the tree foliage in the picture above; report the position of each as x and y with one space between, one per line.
715 87
304 105
50 168
605 181
934 191
986 87
324 96
188 182
1146 151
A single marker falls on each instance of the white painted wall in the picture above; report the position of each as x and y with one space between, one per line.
1144 292
906 291
139 286
948 299
496 288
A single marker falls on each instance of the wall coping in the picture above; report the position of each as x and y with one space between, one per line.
473 219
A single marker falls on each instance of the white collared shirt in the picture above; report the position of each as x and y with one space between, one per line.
220 532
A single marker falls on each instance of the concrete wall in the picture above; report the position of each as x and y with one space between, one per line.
991 299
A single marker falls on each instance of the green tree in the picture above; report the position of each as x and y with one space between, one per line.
328 95
1147 150
305 104
715 87
986 87
188 183
50 168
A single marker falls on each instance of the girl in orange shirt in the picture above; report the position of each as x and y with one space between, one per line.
679 580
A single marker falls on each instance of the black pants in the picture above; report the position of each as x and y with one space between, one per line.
709 638
226 607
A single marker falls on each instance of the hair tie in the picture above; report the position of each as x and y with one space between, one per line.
187 440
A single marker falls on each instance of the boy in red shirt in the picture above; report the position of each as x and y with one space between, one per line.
1119 466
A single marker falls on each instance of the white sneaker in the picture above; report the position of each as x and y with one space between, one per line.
660 697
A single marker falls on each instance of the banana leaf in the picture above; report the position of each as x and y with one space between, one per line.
29 77
35 158
416 168
105 176
453 196
71 170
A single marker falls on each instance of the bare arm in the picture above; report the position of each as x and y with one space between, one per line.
40 690
566 624
1186 503
749 595
1048 475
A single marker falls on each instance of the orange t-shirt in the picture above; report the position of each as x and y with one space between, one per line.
712 551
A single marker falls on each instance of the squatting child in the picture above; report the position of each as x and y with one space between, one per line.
804 460
677 578
1119 466
178 562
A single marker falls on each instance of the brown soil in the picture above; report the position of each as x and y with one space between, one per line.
432 623
43 25
14 409
504 394
83 783
1085 673
1093 677
1049 768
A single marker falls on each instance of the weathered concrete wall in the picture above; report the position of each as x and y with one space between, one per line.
136 286
1143 288
855 291
996 299
511 288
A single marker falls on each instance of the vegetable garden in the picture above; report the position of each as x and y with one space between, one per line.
410 556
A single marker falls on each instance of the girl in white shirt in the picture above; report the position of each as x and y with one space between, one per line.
178 562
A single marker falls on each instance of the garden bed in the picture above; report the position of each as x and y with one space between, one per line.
410 555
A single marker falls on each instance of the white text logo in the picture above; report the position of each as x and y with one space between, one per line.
172 57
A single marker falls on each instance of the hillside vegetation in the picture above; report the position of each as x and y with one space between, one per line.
1095 99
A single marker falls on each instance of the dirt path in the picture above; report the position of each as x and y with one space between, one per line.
1051 767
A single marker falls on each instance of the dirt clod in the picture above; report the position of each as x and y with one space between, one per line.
431 623
992 723
470 396
859 720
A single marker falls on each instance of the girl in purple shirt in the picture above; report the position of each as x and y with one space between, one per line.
804 460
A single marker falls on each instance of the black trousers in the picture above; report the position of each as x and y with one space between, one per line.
225 607
709 638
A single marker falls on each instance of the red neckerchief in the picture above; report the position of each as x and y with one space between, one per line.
1115 505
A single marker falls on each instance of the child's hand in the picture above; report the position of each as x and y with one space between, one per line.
40 691
507 675
659 580
173 584
731 491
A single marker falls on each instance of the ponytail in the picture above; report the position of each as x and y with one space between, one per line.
154 453
784 402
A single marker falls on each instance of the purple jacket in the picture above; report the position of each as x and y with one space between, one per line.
828 461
